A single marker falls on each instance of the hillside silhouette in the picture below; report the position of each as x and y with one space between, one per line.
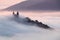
28 21
35 5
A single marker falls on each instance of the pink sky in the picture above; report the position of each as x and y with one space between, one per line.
7 3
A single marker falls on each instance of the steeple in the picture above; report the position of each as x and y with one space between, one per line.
17 13
13 13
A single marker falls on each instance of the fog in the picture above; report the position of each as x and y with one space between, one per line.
11 30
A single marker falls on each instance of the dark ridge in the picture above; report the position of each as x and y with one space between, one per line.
39 24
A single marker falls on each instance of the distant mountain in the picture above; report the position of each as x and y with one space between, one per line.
36 5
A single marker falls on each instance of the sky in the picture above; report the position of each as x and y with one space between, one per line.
7 3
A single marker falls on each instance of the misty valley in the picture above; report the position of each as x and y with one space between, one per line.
13 27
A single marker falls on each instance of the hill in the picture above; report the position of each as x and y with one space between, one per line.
35 5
